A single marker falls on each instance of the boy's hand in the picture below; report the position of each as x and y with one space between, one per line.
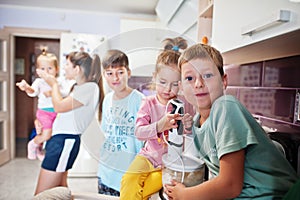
187 121
174 190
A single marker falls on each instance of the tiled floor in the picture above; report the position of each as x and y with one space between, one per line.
18 178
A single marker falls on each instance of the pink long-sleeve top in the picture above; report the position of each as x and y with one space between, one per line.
151 111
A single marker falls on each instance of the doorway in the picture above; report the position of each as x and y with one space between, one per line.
26 51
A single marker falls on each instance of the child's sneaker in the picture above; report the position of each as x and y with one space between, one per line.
31 148
39 153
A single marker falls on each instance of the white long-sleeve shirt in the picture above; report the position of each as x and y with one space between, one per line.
40 86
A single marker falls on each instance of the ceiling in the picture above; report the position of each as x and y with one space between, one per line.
141 7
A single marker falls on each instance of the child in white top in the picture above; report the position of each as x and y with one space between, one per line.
45 113
74 114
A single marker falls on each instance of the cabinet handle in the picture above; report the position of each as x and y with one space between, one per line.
276 18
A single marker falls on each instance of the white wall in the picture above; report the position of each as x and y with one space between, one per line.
73 21
140 38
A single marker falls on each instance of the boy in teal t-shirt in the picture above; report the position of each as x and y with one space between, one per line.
243 162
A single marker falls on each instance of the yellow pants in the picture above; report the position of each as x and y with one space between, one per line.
141 180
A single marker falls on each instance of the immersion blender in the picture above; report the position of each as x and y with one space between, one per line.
175 136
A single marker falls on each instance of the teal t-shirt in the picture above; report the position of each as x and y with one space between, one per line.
231 127
120 145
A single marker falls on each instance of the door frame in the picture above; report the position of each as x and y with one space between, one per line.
13 33
5 116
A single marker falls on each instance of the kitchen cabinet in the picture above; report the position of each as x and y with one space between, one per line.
232 17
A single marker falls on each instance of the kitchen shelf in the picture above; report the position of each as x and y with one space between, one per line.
263 88
205 17
207 12
260 117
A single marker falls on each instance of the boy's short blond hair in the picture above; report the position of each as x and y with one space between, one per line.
202 51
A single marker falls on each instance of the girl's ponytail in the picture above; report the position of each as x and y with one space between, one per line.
175 44
92 71
96 76
171 53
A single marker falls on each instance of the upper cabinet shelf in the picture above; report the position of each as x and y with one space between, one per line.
205 19
207 12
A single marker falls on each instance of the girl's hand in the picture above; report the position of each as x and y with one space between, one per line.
23 85
51 80
168 122
174 190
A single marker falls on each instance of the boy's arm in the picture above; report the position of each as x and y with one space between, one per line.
227 185
24 86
